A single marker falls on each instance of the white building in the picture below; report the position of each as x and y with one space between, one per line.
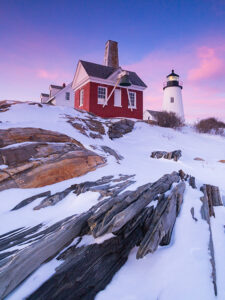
59 95
151 115
172 96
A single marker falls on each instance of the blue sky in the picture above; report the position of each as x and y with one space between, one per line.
54 35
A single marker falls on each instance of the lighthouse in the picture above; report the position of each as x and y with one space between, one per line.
172 95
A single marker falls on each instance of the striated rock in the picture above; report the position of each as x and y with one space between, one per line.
206 212
19 135
88 127
31 199
162 221
14 269
88 269
118 129
113 215
112 152
175 155
39 164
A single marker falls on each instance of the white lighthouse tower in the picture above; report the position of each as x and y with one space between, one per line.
172 96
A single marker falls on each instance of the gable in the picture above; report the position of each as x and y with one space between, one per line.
80 76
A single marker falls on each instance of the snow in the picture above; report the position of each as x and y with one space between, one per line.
181 270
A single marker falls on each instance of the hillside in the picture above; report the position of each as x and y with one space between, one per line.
74 170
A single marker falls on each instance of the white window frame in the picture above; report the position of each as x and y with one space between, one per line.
81 98
67 93
102 100
135 100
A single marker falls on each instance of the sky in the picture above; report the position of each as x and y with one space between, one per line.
41 42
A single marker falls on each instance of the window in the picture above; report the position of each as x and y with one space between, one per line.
102 92
132 96
171 99
81 97
67 96
117 97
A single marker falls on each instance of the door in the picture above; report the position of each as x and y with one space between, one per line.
117 97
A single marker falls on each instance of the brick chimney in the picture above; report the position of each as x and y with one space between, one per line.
111 57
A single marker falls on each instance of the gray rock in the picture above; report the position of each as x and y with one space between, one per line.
118 129
163 220
206 212
175 155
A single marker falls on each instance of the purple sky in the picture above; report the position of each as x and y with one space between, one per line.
42 41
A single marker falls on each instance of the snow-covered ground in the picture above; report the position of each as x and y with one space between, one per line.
181 270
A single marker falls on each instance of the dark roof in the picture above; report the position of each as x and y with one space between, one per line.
154 113
172 74
104 72
56 86
44 95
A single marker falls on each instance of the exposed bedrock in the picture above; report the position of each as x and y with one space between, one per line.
41 163
175 155
120 128
112 216
211 197
88 269
19 135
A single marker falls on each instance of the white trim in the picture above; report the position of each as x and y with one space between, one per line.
101 99
135 100
81 93
103 81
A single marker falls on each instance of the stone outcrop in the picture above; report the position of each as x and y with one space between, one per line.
112 152
89 126
20 135
211 197
175 155
47 158
120 128
131 217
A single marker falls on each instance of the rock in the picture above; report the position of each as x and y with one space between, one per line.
31 199
175 155
39 164
79 264
162 222
113 215
222 161
193 214
192 182
118 129
207 211
87 270
14 269
199 159
103 186
88 127
28 134
213 194
112 152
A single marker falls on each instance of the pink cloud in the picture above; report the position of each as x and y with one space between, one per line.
47 75
210 65
205 97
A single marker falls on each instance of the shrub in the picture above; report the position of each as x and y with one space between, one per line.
210 125
169 119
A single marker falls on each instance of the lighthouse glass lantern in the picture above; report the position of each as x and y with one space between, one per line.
172 95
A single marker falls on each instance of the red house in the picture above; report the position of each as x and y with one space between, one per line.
108 90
